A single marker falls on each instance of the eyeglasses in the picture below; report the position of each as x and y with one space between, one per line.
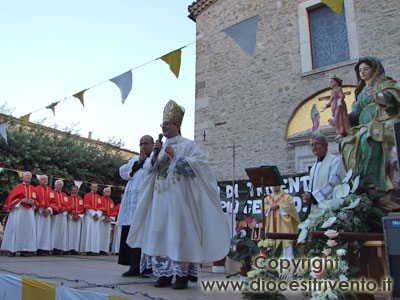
145 143
166 124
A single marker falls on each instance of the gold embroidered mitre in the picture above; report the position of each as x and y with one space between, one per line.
173 112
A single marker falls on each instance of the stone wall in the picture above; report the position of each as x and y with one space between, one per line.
248 100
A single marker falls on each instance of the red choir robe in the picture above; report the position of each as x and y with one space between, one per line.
94 201
19 192
20 232
46 196
77 205
61 201
110 208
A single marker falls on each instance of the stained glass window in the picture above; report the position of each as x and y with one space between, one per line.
329 40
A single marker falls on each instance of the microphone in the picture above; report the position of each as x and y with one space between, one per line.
156 151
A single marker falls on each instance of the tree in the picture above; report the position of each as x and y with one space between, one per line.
57 154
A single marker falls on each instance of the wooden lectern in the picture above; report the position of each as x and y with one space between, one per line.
261 177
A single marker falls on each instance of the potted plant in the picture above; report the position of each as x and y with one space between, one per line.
245 247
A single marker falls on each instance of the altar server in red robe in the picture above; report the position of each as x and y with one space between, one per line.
20 232
94 206
75 218
105 221
43 215
59 226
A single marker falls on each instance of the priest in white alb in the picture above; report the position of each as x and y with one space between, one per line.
179 223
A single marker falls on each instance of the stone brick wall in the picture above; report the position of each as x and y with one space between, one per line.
248 100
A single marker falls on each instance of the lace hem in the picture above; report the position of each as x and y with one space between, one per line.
162 266
183 166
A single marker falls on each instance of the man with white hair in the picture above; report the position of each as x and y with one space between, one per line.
94 206
43 214
20 233
75 219
326 172
105 221
59 228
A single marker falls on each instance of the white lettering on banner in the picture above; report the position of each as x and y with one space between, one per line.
228 206
251 189
285 181
298 203
294 184
257 206
305 180
229 191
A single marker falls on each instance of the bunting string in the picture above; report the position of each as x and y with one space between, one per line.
123 81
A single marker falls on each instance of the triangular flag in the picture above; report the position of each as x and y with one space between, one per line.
123 188
52 107
25 118
173 59
38 176
20 173
1 170
3 130
80 96
124 82
335 5
62 179
244 34
78 183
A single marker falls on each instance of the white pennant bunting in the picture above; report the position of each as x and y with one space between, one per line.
124 82
244 34
78 183
3 131
38 176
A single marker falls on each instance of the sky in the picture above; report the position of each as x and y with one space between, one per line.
53 49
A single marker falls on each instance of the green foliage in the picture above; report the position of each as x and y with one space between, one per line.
59 155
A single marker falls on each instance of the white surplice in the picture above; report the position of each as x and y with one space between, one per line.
74 232
20 232
90 238
130 200
179 213
59 231
43 229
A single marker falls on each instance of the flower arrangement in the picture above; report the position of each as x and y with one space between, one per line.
345 212
245 247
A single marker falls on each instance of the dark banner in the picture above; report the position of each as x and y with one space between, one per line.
248 198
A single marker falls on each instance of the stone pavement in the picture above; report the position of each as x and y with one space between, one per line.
103 274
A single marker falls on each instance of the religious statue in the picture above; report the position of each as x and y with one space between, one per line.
315 117
368 147
340 119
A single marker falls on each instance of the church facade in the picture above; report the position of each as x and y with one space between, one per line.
256 110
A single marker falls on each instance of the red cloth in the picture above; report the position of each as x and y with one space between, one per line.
77 205
110 210
61 202
19 192
45 195
94 201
